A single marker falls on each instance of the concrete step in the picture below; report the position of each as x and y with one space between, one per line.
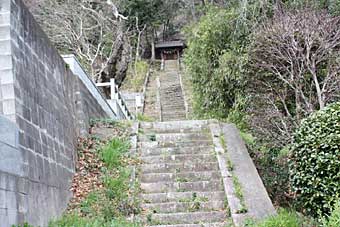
216 224
173 104
177 150
192 143
167 158
180 177
182 196
179 167
180 137
171 114
174 207
199 186
177 126
189 218
173 94
173 117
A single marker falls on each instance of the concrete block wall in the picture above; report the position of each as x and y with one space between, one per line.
43 109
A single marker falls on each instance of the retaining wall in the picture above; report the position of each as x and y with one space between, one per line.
43 109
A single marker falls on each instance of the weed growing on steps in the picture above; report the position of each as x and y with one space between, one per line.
239 194
141 117
230 165
236 182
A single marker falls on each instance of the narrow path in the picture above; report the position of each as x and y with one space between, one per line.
164 95
180 178
171 94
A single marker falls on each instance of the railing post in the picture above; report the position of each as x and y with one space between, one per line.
113 88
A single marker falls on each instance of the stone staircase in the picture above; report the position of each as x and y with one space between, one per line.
171 94
193 172
151 108
180 178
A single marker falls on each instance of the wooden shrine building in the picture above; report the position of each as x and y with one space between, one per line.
169 50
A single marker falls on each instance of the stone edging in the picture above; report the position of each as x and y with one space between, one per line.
234 203
246 194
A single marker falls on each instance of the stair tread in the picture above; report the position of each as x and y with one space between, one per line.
172 158
170 186
189 217
179 177
178 196
186 206
179 167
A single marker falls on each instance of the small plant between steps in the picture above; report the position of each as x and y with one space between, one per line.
236 182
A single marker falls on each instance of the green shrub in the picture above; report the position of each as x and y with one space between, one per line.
334 219
315 161
215 61
284 218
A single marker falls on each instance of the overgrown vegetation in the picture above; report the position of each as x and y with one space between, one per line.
103 194
284 218
136 75
315 161
266 66
213 51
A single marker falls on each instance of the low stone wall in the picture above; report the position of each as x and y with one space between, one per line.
46 108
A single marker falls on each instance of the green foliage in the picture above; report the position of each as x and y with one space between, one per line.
273 168
284 218
141 117
333 220
215 61
112 153
86 205
332 6
24 225
135 78
238 115
116 188
77 221
217 56
151 13
315 161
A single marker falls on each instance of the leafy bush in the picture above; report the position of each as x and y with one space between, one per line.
284 218
334 219
315 161
215 61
